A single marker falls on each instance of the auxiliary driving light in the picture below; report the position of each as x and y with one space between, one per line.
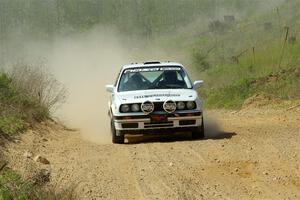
147 107
169 106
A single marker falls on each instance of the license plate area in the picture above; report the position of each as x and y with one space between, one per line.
159 118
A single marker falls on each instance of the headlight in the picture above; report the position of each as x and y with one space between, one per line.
190 105
125 108
135 107
180 105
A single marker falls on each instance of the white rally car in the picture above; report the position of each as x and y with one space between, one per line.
154 97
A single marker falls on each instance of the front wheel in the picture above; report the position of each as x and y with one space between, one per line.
198 133
117 136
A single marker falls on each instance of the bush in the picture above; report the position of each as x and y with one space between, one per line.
36 82
200 61
28 94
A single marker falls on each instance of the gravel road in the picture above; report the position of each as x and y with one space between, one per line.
251 154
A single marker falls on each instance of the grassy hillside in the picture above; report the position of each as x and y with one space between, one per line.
259 54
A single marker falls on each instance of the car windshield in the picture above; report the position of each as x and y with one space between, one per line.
154 78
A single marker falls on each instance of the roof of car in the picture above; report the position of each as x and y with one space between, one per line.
151 64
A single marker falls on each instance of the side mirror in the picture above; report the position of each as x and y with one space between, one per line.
197 84
110 88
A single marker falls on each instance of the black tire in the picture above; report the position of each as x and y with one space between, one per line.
116 139
198 133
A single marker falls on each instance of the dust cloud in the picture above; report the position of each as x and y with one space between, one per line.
85 63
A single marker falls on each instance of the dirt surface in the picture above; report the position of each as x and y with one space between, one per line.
254 154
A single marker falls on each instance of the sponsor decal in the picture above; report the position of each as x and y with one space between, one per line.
156 95
152 69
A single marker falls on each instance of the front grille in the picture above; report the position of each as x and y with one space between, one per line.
158 106
157 125
130 125
187 122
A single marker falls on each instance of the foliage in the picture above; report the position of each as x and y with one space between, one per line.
11 124
200 61
27 95
230 96
13 187
257 49
137 17
37 83
283 85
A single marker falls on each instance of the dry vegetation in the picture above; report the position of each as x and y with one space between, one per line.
38 83
28 95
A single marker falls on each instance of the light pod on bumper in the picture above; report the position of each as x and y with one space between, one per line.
169 106
147 107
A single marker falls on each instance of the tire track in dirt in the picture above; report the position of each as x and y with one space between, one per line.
166 171
146 166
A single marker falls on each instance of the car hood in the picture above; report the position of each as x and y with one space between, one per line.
157 95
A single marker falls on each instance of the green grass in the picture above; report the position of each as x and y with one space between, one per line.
283 85
229 82
13 187
11 124
230 97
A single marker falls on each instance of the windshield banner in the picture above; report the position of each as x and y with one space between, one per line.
152 69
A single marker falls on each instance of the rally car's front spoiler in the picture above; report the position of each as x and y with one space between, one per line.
174 121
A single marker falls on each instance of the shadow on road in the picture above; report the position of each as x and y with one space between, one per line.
212 132
177 137
220 135
152 138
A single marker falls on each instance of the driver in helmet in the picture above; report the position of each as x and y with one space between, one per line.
170 79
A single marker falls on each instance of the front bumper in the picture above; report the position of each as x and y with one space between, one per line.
173 121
